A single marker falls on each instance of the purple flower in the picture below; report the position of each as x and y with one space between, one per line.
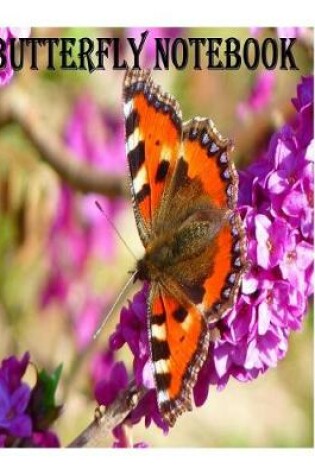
14 398
46 439
6 74
305 93
305 107
253 183
291 180
80 232
260 95
148 409
86 313
68 249
297 259
25 413
98 138
132 330
278 304
56 287
271 239
109 377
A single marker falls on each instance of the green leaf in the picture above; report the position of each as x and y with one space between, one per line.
48 384
42 407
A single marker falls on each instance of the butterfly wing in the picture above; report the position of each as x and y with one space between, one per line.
207 155
207 162
153 139
179 341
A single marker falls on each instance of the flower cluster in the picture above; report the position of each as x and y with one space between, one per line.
26 414
276 205
274 293
6 73
79 231
108 377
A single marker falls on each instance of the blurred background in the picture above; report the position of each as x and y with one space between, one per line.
61 264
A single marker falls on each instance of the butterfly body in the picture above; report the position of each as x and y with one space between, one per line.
184 189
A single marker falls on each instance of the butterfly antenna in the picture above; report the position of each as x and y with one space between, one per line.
113 307
115 229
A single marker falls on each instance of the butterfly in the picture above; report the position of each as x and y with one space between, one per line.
184 192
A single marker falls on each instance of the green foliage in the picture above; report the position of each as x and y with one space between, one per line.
43 407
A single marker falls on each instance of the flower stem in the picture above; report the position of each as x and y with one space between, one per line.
115 414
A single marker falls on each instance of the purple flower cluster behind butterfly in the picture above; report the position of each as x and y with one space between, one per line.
79 230
276 204
17 423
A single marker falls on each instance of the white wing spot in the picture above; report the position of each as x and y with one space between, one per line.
161 366
133 140
159 332
166 154
140 179
162 397
128 108
187 323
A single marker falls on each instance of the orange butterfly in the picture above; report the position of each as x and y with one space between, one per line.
184 189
